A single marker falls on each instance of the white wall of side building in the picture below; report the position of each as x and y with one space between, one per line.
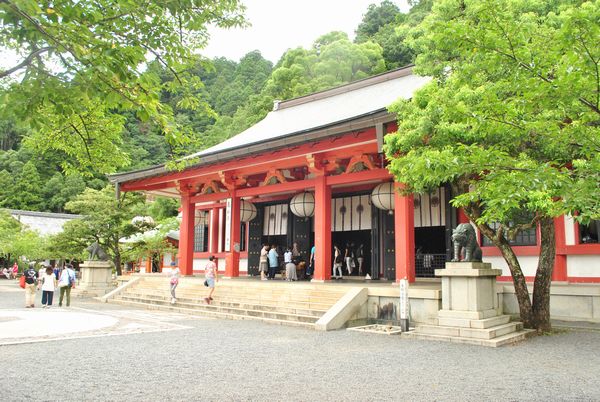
583 265
528 264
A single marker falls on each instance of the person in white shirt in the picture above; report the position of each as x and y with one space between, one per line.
48 282
290 267
174 281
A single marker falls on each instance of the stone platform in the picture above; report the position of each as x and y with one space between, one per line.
471 312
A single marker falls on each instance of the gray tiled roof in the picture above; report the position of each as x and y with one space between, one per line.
295 119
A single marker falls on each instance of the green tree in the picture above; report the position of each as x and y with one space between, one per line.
510 120
80 68
107 220
376 17
27 191
332 60
387 26
18 241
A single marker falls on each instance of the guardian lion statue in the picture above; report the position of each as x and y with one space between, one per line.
464 237
96 251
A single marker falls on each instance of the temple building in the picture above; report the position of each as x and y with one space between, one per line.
312 172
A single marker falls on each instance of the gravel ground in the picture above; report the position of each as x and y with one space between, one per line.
247 360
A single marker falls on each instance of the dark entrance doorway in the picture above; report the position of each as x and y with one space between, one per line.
356 239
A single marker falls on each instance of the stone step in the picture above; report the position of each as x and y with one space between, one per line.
231 310
212 314
316 302
283 308
474 333
506 339
281 289
471 323
289 295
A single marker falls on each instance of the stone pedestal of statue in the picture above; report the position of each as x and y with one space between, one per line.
471 311
96 278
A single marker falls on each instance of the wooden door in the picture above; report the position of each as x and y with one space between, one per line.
255 231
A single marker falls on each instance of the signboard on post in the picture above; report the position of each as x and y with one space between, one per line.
228 225
404 308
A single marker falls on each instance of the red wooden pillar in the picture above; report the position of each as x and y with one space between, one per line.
214 231
322 230
462 217
186 236
232 261
404 219
559 273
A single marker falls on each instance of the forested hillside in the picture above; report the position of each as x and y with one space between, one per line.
224 98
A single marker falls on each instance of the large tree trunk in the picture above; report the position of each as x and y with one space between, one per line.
543 276
519 282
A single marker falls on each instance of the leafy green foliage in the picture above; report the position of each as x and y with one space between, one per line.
80 68
107 220
18 241
333 60
387 26
510 119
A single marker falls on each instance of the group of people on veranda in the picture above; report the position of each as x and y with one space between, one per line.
293 266
48 280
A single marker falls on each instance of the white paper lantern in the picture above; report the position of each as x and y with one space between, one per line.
303 205
383 196
247 211
142 221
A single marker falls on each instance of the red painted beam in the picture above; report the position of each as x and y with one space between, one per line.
343 145
359 177
210 197
290 186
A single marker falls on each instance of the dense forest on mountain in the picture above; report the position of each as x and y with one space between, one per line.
227 98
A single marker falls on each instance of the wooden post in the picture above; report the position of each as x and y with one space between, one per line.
559 273
322 230
186 236
404 227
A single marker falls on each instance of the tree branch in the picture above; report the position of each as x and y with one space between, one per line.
26 62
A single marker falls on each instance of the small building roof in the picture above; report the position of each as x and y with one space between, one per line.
291 121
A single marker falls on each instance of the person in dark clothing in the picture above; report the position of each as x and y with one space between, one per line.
31 279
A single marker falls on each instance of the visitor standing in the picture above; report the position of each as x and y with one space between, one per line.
31 278
66 281
337 263
273 261
290 266
311 263
15 270
360 256
48 281
173 280
349 257
210 277
263 266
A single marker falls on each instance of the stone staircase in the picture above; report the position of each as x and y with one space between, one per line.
493 331
288 303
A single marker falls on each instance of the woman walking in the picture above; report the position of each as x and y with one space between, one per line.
264 263
211 276
337 263
174 281
49 283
